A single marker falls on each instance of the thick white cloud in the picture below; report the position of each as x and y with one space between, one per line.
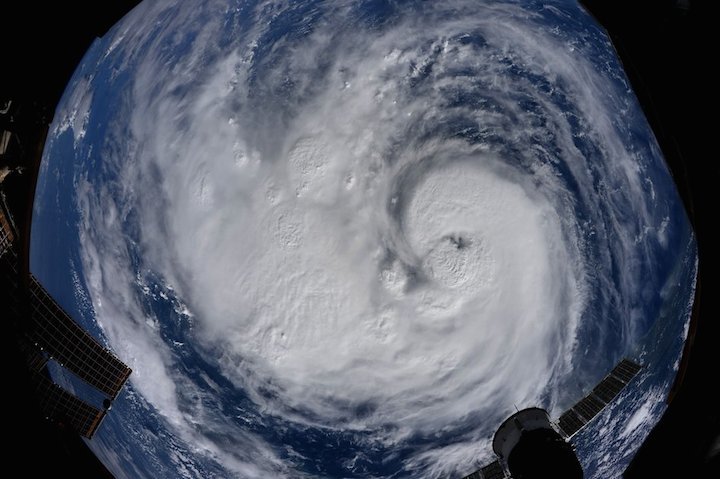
337 239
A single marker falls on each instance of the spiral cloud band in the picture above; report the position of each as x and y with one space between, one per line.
380 228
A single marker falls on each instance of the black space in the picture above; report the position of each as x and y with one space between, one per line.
665 47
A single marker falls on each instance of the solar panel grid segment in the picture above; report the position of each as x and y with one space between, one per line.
571 422
61 405
588 407
72 346
625 371
36 360
10 260
493 471
608 389
6 234
5 241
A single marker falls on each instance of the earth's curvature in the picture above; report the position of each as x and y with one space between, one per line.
347 239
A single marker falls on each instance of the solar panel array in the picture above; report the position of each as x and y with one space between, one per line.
9 269
6 234
626 370
590 406
49 332
494 470
71 346
63 407
35 359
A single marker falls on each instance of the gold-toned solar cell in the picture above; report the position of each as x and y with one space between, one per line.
71 346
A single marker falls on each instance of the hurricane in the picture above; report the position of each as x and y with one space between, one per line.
347 239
